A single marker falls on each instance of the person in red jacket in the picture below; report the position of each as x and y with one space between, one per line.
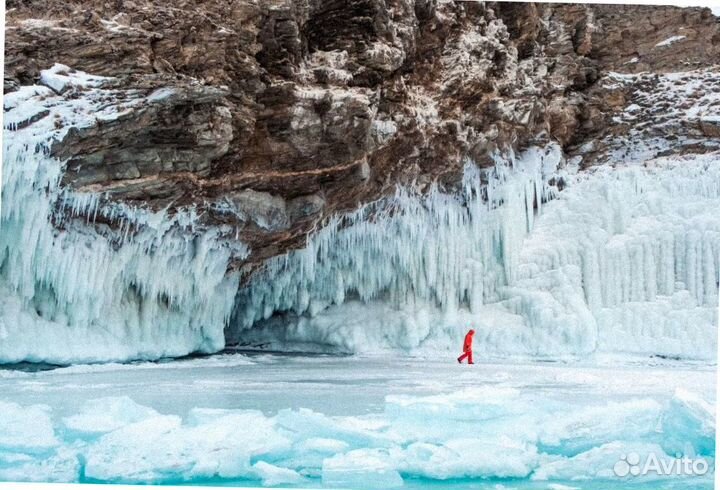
467 347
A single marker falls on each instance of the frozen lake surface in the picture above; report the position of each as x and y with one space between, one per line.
357 422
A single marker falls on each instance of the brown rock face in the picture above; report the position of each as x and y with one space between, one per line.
292 110
174 129
644 38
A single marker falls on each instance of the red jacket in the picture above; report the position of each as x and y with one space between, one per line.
467 345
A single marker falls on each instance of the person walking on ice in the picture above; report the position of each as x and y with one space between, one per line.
467 348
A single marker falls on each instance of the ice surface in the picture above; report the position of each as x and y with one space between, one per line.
596 463
272 475
26 428
689 414
501 425
107 414
218 361
207 445
60 466
361 467
415 421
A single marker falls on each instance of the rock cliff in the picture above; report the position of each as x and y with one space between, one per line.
271 115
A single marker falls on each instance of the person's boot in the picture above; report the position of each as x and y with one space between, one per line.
459 361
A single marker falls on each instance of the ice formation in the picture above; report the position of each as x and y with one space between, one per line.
449 249
624 259
72 289
488 432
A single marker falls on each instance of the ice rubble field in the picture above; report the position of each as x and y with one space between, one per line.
349 422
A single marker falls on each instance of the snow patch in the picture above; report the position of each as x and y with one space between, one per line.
61 78
669 41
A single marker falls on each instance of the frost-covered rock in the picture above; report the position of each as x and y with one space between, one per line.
410 90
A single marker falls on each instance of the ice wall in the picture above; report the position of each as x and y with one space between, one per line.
451 249
631 254
623 260
74 289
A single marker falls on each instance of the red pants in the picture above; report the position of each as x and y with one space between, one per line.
467 354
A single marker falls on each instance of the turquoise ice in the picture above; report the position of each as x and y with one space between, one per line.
341 422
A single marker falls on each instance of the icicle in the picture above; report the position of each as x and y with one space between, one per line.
615 262
77 293
414 248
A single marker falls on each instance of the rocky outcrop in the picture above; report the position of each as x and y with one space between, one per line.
177 128
636 39
635 117
271 115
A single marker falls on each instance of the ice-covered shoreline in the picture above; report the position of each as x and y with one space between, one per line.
621 260
624 260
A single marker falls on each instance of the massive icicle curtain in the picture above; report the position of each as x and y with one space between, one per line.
624 260
75 290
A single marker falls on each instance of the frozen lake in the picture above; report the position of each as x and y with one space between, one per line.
354 422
